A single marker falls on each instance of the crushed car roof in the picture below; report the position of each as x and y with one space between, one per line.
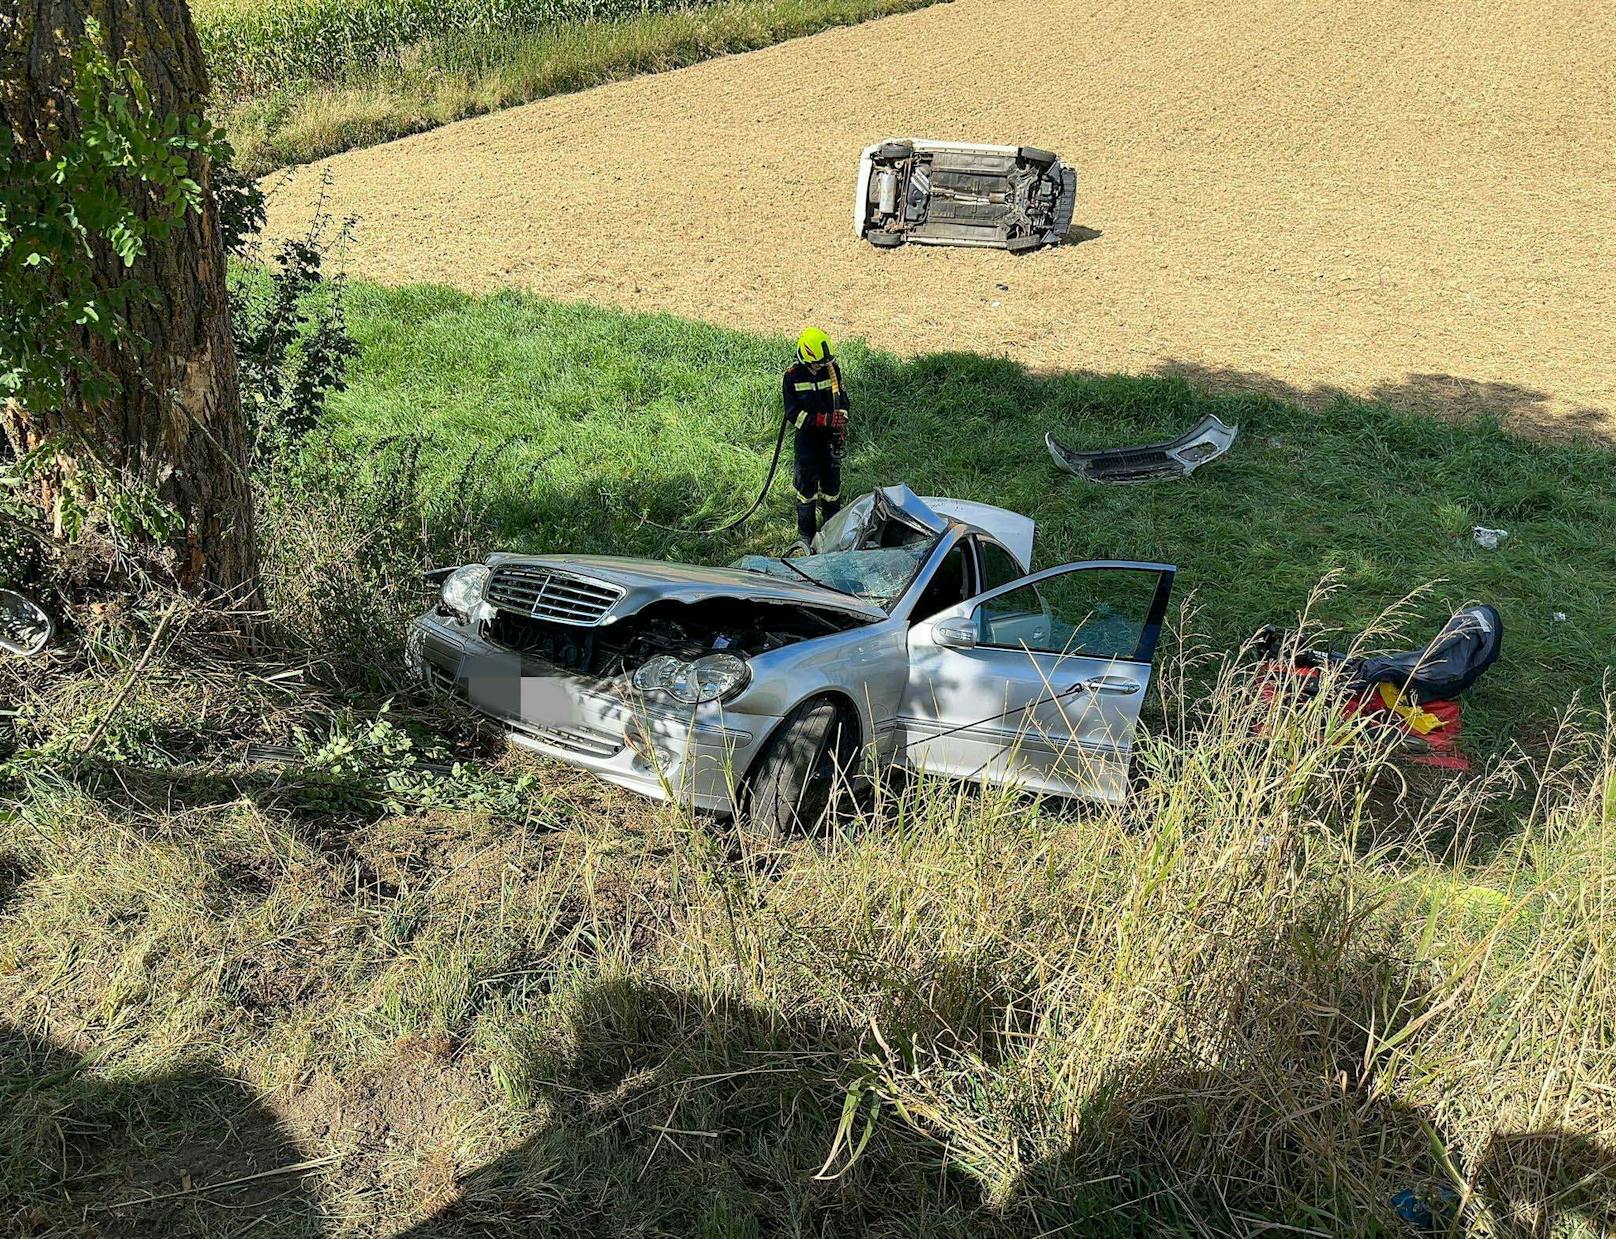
853 525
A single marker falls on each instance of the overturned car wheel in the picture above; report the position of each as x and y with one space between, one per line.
803 771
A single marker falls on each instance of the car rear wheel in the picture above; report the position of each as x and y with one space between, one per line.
804 770
885 240
895 150
1033 154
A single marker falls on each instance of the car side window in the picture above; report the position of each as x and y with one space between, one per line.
950 584
999 566
1092 612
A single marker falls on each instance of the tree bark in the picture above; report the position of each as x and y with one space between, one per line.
175 423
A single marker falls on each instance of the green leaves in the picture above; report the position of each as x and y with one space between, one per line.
121 180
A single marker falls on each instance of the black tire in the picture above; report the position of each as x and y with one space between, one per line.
884 240
1033 154
895 150
1023 245
805 764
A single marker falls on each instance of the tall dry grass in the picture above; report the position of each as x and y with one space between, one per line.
1284 985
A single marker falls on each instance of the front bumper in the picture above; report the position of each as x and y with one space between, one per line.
695 755
1177 458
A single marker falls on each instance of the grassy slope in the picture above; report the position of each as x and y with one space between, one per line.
514 994
449 77
657 417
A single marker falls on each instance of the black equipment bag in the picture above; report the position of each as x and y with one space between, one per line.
1467 645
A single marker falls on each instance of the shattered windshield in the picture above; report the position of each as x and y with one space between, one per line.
878 575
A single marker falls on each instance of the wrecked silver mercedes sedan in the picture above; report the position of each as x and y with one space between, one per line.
912 636
925 192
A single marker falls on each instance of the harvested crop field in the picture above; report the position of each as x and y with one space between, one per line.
1412 200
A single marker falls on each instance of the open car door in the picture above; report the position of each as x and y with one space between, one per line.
1038 683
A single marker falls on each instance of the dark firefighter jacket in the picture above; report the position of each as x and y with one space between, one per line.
815 400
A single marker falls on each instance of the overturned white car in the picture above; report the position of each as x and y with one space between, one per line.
913 191
912 636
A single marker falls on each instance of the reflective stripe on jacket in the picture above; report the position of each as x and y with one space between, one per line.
815 396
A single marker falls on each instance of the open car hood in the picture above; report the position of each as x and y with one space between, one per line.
882 516
625 585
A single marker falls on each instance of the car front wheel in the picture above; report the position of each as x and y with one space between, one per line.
804 769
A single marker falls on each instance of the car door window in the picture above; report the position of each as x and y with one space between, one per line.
949 585
1096 613
999 566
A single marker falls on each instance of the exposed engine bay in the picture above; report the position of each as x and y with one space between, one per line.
682 630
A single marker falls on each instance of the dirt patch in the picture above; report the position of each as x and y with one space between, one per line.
1407 201
395 1128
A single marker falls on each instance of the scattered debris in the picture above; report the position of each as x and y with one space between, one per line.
25 629
1560 617
1412 694
1488 539
1427 1213
925 192
1176 458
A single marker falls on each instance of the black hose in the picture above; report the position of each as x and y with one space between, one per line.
774 466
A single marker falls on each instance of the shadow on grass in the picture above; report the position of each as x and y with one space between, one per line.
663 1110
679 1113
1452 396
683 1114
89 1150
1298 1125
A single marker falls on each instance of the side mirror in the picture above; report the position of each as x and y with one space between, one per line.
955 634
25 629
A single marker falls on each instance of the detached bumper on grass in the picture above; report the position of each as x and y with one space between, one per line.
1176 458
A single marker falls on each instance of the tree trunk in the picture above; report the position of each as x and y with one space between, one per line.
174 423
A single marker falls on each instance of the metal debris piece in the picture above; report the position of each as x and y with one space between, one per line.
25 629
1176 458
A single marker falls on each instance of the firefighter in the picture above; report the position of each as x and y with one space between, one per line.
816 404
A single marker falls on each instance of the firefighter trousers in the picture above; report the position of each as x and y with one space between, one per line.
817 476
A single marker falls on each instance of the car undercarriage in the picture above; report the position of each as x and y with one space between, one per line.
920 192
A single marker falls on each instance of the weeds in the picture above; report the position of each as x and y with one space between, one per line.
1280 986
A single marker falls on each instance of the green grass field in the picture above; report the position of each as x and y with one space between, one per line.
654 418
295 80
361 994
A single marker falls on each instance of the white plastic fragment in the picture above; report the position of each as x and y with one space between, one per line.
1488 539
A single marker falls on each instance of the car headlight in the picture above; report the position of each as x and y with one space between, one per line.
463 591
713 677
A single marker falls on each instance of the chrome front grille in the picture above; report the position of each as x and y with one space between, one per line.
545 593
